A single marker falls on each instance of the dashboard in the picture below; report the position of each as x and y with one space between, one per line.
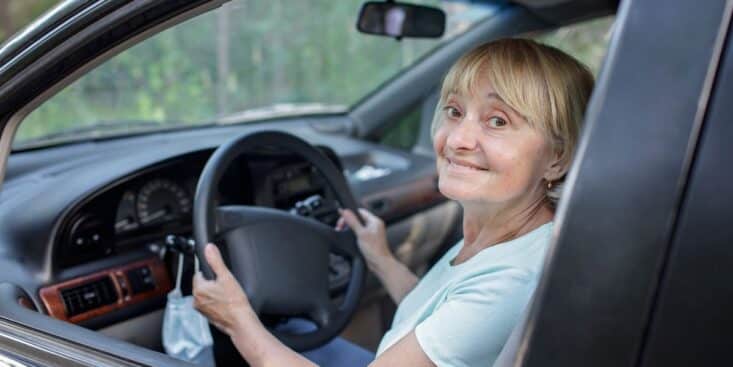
138 213
84 226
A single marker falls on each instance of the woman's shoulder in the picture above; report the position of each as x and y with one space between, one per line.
518 262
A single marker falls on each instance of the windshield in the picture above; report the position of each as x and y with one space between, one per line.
246 61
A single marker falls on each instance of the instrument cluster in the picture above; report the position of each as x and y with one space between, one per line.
158 201
144 208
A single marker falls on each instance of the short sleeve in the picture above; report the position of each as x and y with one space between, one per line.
472 325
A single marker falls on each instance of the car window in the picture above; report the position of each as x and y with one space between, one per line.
248 60
586 41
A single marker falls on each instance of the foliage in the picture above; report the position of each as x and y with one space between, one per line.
245 55
586 41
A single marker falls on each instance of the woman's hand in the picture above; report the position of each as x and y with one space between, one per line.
371 236
223 300
225 304
372 239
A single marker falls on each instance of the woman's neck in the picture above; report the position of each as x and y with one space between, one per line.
484 226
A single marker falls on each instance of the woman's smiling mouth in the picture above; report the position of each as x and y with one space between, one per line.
461 164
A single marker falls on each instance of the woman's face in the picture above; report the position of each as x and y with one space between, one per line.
487 153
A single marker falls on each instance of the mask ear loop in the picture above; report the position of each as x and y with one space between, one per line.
179 274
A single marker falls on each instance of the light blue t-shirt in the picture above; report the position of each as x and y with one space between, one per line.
463 314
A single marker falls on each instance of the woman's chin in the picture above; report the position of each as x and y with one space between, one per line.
457 191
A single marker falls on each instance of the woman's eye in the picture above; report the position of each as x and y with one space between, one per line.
497 122
452 112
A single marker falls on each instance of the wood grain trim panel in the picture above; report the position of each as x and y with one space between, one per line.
51 295
403 200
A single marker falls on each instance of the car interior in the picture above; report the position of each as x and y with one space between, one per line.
92 228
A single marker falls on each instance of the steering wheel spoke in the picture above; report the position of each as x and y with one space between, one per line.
345 244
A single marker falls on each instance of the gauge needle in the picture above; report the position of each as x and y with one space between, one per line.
123 223
157 214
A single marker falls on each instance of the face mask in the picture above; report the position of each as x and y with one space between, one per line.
186 333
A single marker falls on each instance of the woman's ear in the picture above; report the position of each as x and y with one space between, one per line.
557 167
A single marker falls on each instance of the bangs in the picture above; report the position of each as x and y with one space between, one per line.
464 77
517 80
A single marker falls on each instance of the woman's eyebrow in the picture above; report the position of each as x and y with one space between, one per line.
494 95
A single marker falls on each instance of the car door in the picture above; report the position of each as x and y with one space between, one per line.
631 278
48 53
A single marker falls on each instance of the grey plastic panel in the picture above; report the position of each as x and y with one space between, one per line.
693 320
614 226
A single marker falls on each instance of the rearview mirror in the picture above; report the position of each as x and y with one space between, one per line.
399 20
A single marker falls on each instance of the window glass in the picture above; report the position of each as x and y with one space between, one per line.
586 41
248 60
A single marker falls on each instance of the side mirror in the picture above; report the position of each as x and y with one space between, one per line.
399 20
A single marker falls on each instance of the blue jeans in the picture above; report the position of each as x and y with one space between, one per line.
337 352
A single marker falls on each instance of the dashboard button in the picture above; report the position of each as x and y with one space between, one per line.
141 279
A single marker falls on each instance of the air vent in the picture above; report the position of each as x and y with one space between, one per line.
88 296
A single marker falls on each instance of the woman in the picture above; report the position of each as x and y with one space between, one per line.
504 134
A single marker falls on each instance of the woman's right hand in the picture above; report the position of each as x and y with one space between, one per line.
371 236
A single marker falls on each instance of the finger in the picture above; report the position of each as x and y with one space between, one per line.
198 282
369 219
213 257
367 215
340 224
351 220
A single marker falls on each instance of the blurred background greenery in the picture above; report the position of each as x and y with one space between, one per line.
240 63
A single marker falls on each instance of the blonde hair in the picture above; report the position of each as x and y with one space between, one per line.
548 87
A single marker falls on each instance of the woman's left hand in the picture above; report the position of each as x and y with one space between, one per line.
223 300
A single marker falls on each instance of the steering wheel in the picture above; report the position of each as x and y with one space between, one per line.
280 259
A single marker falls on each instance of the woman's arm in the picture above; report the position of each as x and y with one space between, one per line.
372 239
226 306
396 277
406 352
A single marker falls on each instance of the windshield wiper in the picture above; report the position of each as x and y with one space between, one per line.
99 129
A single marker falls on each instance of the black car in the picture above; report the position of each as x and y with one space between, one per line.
119 118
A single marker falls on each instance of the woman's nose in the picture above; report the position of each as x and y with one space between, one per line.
463 135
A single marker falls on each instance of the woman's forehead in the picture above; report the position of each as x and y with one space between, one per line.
487 93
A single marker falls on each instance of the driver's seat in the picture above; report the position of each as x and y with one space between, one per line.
509 352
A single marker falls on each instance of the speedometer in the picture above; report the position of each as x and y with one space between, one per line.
161 200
